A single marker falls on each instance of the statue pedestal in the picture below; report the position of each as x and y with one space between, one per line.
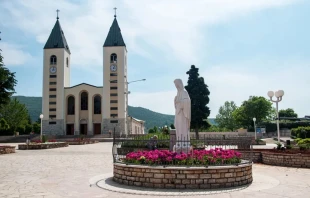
182 146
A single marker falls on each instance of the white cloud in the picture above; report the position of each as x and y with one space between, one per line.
226 83
14 54
173 27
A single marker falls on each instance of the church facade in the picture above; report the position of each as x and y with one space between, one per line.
86 109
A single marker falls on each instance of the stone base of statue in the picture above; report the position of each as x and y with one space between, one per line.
184 147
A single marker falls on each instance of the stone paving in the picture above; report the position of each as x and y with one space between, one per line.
71 172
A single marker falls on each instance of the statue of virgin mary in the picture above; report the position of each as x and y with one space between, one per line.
182 104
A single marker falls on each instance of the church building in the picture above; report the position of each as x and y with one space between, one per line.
86 109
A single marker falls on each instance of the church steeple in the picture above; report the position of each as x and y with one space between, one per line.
57 38
114 37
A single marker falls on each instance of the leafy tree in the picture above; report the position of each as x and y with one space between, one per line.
289 113
7 83
172 126
3 124
199 94
256 106
15 114
225 118
36 128
151 131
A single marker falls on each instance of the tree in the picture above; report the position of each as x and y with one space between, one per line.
3 124
199 94
256 106
172 126
15 114
225 118
289 113
7 83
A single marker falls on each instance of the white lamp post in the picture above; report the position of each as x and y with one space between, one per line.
254 120
279 94
41 117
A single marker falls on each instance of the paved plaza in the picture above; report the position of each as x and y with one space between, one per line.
72 172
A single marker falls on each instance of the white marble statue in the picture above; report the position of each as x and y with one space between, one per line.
182 120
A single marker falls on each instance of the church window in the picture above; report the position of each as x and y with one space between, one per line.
113 101
114 121
52 116
52 109
84 101
71 105
113 74
113 87
52 103
97 104
53 60
52 96
52 83
113 58
113 108
113 94
53 76
67 61
113 115
52 89
52 123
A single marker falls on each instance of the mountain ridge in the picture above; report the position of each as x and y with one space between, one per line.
151 118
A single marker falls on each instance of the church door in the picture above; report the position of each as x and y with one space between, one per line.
83 129
97 129
70 129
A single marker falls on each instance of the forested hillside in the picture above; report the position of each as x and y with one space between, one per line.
34 106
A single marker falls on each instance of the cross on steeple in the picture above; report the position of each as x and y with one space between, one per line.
114 12
57 14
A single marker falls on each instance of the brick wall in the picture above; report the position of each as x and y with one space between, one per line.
254 155
7 149
288 160
178 177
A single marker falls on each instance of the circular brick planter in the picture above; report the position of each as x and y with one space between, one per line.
301 160
183 177
42 146
7 149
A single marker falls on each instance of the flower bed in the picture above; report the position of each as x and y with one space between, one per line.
7 149
183 177
217 156
81 141
47 145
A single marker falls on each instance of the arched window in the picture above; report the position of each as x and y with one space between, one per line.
113 58
84 101
67 61
97 104
71 105
53 60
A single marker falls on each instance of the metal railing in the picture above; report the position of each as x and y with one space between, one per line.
197 150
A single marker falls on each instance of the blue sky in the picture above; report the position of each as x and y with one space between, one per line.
241 47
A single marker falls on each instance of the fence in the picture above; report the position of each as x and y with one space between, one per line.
208 150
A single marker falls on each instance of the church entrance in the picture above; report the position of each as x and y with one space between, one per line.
97 128
83 129
70 129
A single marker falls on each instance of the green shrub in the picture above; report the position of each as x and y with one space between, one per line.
301 132
44 139
288 146
304 141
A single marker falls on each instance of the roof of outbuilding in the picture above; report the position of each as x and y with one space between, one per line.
57 38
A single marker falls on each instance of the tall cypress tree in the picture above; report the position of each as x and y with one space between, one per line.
199 93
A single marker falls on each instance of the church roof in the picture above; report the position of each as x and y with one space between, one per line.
57 39
114 37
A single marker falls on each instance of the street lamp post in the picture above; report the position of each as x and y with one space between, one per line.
127 92
278 94
254 120
41 117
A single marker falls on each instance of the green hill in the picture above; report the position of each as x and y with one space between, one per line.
34 106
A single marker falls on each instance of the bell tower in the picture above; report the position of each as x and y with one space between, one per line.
115 85
56 76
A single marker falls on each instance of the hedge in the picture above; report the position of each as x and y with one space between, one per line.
301 132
